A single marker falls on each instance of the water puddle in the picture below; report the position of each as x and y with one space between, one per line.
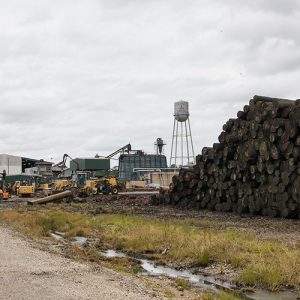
203 282
113 253
265 295
79 240
57 235
206 283
151 269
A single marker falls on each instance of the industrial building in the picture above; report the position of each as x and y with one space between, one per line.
41 167
99 166
15 165
11 164
133 166
90 164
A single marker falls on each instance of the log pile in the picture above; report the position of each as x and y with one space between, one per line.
254 168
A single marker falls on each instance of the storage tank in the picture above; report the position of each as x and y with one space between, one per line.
181 111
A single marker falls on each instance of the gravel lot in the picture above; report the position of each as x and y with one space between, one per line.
29 273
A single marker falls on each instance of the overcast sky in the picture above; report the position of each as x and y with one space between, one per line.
87 77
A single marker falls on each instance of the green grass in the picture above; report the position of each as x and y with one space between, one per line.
182 284
202 258
169 294
266 263
261 275
220 296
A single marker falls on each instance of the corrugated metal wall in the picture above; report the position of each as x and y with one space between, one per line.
11 164
129 162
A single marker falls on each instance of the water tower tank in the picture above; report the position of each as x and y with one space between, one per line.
181 111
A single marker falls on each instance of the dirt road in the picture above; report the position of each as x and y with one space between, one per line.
29 273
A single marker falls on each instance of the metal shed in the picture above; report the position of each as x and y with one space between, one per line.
90 164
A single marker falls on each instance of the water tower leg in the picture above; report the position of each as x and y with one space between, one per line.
181 124
176 142
187 142
192 146
173 136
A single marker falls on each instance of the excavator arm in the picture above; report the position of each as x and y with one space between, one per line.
62 164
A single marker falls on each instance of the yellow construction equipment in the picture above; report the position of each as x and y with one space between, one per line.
95 186
107 185
61 185
82 183
24 188
89 188
43 186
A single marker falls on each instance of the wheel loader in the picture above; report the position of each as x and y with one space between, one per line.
94 186
108 185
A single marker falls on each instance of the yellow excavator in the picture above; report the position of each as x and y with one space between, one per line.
24 188
62 184
110 184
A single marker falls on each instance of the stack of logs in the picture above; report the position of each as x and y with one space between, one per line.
255 167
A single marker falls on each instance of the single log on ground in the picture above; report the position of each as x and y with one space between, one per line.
59 196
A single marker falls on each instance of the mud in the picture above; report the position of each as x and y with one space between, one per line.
287 230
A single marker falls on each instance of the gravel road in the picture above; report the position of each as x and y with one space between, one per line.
29 273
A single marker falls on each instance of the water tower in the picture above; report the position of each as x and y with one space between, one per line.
182 149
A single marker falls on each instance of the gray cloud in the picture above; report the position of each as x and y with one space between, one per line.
87 77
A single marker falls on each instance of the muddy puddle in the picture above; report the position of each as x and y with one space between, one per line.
77 240
57 235
206 283
151 269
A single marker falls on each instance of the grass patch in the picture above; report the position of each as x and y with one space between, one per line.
182 284
125 265
208 296
169 294
202 258
266 263
261 275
